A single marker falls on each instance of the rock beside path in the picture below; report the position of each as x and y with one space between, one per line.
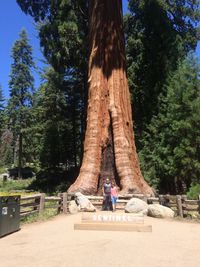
159 211
136 205
73 208
84 203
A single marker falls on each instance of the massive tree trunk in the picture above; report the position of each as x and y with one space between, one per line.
109 148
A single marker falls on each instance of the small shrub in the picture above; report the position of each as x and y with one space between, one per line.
194 191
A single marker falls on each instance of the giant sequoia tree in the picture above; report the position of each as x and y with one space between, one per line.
109 148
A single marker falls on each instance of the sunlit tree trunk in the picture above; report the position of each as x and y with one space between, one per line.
109 147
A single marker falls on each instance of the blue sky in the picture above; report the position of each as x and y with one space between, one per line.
12 21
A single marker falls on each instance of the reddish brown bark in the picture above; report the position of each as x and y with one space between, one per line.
109 148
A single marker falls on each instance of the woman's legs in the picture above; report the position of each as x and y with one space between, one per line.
113 203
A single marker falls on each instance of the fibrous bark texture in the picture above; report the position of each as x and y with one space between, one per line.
109 147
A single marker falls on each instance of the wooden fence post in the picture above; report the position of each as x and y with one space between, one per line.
42 203
184 199
59 203
36 206
65 203
179 206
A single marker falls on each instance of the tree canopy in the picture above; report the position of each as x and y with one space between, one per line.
158 34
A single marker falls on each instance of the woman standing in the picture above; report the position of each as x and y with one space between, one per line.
114 196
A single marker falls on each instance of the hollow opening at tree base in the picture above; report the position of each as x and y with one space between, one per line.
108 166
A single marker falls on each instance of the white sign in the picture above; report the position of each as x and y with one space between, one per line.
113 218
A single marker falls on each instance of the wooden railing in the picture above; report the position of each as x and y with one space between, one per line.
37 203
30 205
178 203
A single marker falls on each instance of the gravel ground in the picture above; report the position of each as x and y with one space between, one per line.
54 243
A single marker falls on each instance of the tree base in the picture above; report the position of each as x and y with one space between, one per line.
90 189
82 188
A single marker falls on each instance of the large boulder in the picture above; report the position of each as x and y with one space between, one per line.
159 211
136 205
73 208
84 203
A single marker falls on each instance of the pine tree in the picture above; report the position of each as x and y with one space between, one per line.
57 122
21 88
171 153
2 122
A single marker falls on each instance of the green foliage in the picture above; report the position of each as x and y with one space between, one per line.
2 123
21 88
63 26
53 100
194 191
2 112
158 34
61 100
21 79
63 34
54 180
14 185
57 121
170 156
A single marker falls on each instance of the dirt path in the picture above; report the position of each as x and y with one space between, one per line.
55 243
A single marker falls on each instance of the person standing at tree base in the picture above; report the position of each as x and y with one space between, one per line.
114 196
107 203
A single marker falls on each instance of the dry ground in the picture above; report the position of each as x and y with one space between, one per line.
54 243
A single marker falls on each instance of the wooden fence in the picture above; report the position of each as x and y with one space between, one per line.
37 203
179 204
